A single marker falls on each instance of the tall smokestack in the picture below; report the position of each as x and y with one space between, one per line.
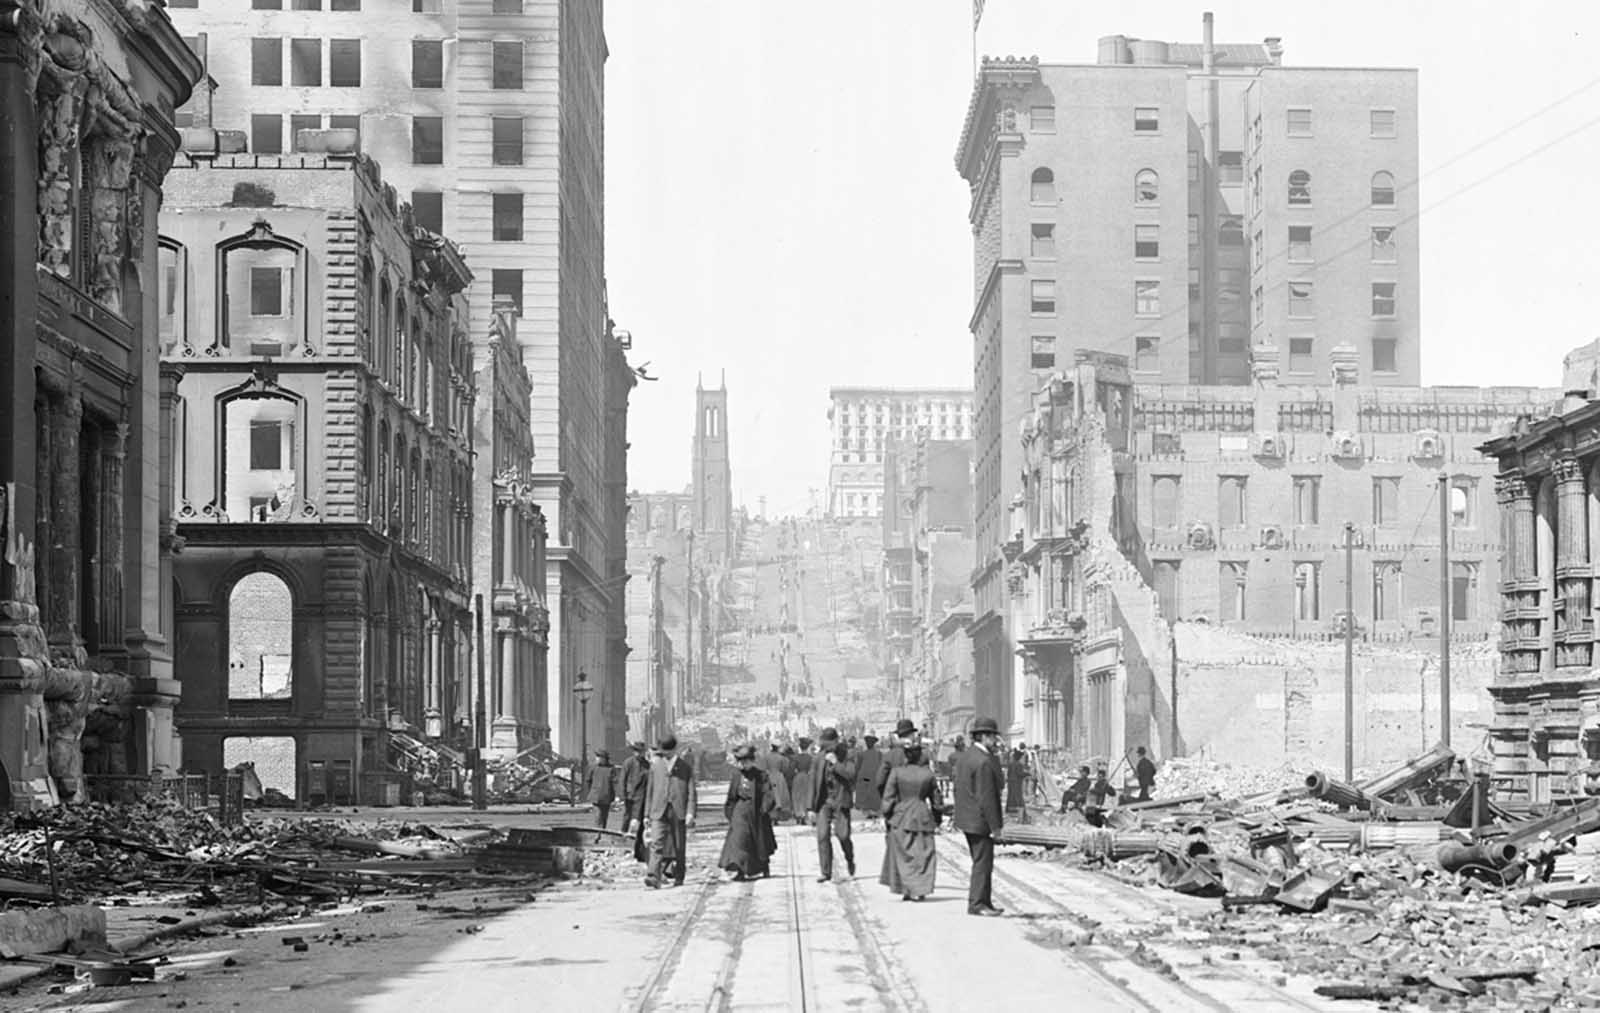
1209 59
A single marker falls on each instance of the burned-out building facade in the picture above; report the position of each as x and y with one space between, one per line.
1546 727
87 92
1177 568
323 469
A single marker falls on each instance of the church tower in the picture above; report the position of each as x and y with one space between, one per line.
713 477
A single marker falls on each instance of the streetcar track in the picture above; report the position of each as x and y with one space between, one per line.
1092 967
662 970
801 987
888 974
1216 970
1019 888
722 990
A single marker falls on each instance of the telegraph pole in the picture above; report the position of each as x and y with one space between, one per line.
1444 608
1349 652
658 687
480 738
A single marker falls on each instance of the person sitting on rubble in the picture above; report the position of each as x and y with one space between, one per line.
1099 793
1077 792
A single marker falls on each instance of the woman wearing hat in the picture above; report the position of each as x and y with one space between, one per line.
911 807
747 850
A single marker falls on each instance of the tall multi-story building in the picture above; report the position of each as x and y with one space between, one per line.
509 545
1193 207
87 89
713 474
863 420
487 117
323 469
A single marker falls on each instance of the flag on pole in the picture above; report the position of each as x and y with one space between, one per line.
977 13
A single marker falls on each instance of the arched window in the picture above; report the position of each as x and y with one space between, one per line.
260 638
1043 189
172 268
429 545
367 319
1146 187
380 341
261 282
380 488
365 454
1383 189
260 457
413 490
1299 188
397 490
397 365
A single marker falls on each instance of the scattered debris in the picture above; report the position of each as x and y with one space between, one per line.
1407 886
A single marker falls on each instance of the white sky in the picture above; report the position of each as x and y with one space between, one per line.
782 201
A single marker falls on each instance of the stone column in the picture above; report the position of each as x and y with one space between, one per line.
66 422
148 622
1572 559
430 677
113 452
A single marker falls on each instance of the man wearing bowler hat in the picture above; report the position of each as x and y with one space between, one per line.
979 781
600 786
832 794
631 783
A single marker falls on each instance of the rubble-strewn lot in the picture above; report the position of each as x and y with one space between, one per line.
1410 887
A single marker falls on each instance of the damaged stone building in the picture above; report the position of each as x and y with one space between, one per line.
1177 569
1546 727
87 92
323 468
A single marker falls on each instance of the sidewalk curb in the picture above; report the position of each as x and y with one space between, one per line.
249 915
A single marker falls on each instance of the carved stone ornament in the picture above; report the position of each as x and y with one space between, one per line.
1272 537
1016 580
1346 445
1200 537
1428 445
1269 446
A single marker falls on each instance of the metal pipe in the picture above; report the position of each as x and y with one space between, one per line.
1455 857
1444 608
1340 793
1411 773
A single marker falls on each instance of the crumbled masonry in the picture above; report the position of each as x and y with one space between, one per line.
1408 887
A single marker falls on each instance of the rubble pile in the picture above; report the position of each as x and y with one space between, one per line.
94 850
1410 886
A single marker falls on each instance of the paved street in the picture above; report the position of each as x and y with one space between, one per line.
793 943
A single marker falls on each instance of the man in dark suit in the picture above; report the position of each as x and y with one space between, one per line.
832 794
669 803
979 780
631 784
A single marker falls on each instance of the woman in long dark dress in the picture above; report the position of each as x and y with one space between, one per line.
747 850
911 807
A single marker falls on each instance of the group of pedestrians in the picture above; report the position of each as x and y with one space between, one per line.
657 792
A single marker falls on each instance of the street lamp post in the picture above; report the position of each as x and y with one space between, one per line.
583 691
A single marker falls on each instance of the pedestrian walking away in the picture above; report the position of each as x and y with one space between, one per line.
805 785
1016 775
869 762
1144 771
832 795
635 772
669 804
904 729
600 787
772 763
979 781
912 806
750 844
